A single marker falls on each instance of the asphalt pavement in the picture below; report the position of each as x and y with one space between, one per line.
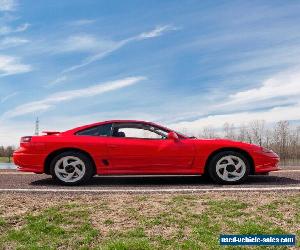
13 181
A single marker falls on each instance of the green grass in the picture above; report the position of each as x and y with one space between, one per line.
175 222
4 159
52 228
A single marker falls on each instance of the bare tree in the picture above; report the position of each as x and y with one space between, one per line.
294 144
268 138
242 134
208 132
281 134
9 152
2 151
257 131
229 130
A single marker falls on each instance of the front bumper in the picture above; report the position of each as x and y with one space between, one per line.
266 162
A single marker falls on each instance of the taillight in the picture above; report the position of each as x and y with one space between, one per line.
26 139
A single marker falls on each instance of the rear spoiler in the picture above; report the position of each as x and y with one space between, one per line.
51 132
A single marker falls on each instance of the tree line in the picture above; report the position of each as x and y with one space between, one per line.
282 138
7 152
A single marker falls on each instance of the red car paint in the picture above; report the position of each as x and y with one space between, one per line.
116 155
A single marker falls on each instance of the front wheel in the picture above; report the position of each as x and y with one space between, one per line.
229 167
71 168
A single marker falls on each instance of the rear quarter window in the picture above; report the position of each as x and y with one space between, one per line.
101 130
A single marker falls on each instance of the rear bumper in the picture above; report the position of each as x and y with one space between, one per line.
28 162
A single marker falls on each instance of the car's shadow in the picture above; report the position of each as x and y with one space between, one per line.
164 181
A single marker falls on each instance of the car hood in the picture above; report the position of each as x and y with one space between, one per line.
227 143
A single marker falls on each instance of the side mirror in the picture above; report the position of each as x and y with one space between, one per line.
173 136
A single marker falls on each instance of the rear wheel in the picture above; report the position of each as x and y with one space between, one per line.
229 167
71 168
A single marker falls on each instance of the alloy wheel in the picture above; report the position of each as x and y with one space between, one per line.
69 169
230 168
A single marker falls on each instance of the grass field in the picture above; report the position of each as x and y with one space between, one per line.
157 221
4 160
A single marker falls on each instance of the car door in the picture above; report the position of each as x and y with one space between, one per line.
146 155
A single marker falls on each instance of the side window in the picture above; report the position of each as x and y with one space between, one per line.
141 131
102 130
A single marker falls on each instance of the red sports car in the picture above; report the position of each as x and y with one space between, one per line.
126 147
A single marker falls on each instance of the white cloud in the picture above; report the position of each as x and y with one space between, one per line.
99 47
84 42
112 46
11 132
217 121
81 43
158 31
282 91
282 85
5 30
10 42
8 5
57 81
22 27
7 97
93 58
63 96
11 65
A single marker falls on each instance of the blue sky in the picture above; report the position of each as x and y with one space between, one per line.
185 64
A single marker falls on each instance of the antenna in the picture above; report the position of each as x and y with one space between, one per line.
37 123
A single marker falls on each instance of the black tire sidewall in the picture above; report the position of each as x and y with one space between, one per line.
89 170
213 164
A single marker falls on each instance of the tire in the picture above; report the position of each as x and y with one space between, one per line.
229 167
206 176
263 174
71 168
